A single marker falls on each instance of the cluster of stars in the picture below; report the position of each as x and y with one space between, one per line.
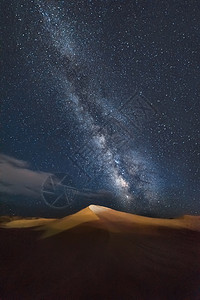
70 66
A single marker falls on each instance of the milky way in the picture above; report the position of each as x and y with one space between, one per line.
126 172
91 98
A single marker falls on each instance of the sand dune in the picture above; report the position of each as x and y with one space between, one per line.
25 223
112 219
100 253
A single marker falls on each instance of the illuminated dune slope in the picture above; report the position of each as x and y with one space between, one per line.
100 253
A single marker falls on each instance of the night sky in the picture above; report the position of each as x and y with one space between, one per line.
106 92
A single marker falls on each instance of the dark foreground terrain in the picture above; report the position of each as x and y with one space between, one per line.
100 253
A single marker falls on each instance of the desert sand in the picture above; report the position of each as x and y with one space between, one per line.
100 253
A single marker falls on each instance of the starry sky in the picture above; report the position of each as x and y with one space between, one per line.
107 92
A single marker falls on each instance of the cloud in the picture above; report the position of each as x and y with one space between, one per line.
17 178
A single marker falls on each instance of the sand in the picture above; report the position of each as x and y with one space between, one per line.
100 253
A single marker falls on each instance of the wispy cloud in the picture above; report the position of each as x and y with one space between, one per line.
17 178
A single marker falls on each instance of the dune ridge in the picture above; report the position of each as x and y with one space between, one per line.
95 213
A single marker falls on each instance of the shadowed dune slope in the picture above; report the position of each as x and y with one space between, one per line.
100 253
